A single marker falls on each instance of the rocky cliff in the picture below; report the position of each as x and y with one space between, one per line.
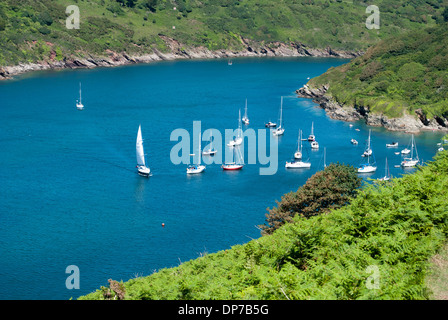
177 51
408 123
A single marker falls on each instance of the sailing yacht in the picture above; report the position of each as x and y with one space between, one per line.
368 166
312 137
298 153
196 168
245 118
236 164
210 151
142 169
238 139
299 163
79 104
386 173
280 130
413 160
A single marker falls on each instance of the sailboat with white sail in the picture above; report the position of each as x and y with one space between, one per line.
370 165
239 136
245 117
142 169
210 151
413 160
237 162
298 153
297 164
312 137
280 130
196 168
79 104
386 173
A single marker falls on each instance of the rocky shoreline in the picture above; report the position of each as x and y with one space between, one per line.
176 51
407 123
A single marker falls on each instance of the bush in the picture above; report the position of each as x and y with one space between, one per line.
328 189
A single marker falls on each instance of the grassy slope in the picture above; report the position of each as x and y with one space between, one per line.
215 24
396 76
395 226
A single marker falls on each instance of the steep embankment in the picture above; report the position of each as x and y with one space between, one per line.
33 34
400 83
377 247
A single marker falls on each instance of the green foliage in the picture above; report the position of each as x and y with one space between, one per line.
326 190
395 226
396 76
208 23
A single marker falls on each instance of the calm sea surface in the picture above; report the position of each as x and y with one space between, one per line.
69 190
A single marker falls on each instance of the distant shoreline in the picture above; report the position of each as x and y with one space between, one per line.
177 52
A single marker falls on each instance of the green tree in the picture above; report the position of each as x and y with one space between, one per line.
328 189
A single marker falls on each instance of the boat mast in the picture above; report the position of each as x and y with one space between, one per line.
281 111
80 97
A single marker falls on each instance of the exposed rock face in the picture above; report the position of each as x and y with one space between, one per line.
408 123
178 51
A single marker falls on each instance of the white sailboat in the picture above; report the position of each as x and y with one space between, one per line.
299 163
142 169
298 153
235 164
369 166
239 138
312 137
280 130
413 160
210 151
386 173
79 104
368 151
245 117
196 168
325 157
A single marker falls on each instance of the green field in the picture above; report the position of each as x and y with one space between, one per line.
34 30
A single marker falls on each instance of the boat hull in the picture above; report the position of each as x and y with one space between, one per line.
409 163
195 169
297 165
143 171
366 169
278 132
232 167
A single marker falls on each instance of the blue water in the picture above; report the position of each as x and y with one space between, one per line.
70 194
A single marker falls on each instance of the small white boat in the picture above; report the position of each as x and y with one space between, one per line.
314 145
392 145
386 173
79 104
298 153
210 151
357 129
353 141
397 153
238 139
405 151
413 160
270 124
367 153
297 165
142 169
440 149
196 168
312 137
230 62
368 167
280 130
